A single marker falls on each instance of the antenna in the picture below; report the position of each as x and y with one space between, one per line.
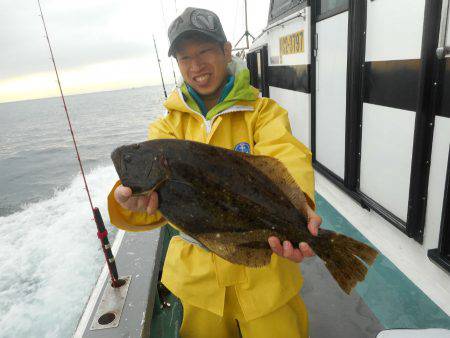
246 33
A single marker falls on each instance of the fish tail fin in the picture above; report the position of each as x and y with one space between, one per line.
344 257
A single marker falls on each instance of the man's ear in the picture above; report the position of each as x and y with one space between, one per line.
227 47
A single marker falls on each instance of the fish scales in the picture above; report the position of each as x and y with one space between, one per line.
199 174
232 202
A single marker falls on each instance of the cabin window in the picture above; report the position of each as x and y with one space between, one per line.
259 68
281 8
445 97
257 65
444 241
251 65
331 7
441 255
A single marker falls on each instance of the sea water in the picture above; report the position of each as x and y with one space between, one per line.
50 256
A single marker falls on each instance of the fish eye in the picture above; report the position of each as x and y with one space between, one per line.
127 158
136 146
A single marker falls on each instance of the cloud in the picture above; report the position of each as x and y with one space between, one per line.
95 35
119 74
82 33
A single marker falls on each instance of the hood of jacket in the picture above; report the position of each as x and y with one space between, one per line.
241 92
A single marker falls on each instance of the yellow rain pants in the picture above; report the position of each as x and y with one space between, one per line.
288 321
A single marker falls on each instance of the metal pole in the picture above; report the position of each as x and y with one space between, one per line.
246 33
159 65
246 26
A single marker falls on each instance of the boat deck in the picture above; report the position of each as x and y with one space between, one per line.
387 299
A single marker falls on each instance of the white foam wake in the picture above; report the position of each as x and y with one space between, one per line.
50 259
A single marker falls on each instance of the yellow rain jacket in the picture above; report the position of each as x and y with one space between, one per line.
260 125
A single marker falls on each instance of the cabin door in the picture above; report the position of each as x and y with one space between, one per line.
331 85
390 105
257 63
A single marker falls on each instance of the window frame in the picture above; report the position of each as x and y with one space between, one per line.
335 11
295 6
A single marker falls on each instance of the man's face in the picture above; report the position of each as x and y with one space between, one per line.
203 64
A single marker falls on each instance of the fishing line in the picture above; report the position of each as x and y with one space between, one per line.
165 27
102 233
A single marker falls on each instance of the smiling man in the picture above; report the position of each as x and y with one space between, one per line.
216 105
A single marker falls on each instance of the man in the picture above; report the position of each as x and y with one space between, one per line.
217 105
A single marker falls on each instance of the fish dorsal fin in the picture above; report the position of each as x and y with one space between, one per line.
277 172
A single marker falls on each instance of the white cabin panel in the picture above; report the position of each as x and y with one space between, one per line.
299 108
386 153
259 41
295 25
436 184
331 92
394 29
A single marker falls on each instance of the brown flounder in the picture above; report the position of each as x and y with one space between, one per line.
232 202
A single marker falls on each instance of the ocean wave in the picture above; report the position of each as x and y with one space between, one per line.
51 259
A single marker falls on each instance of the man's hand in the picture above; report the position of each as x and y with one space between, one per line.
288 251
147 204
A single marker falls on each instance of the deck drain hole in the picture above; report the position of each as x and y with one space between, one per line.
106 318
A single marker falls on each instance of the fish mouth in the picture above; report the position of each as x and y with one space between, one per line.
117 160
148 192
143 193
158 185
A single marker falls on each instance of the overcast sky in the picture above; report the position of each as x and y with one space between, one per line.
99 44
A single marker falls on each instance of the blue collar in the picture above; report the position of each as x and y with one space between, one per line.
225 91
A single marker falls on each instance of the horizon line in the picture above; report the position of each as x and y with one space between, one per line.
93 92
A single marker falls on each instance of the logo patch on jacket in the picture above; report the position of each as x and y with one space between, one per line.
243 147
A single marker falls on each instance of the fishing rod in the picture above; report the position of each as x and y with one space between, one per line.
102 233
159 65
173 71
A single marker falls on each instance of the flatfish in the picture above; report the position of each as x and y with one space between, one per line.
232 202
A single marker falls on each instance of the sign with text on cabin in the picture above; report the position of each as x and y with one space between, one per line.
292 44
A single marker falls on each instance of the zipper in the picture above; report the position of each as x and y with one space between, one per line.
209 123
232 109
